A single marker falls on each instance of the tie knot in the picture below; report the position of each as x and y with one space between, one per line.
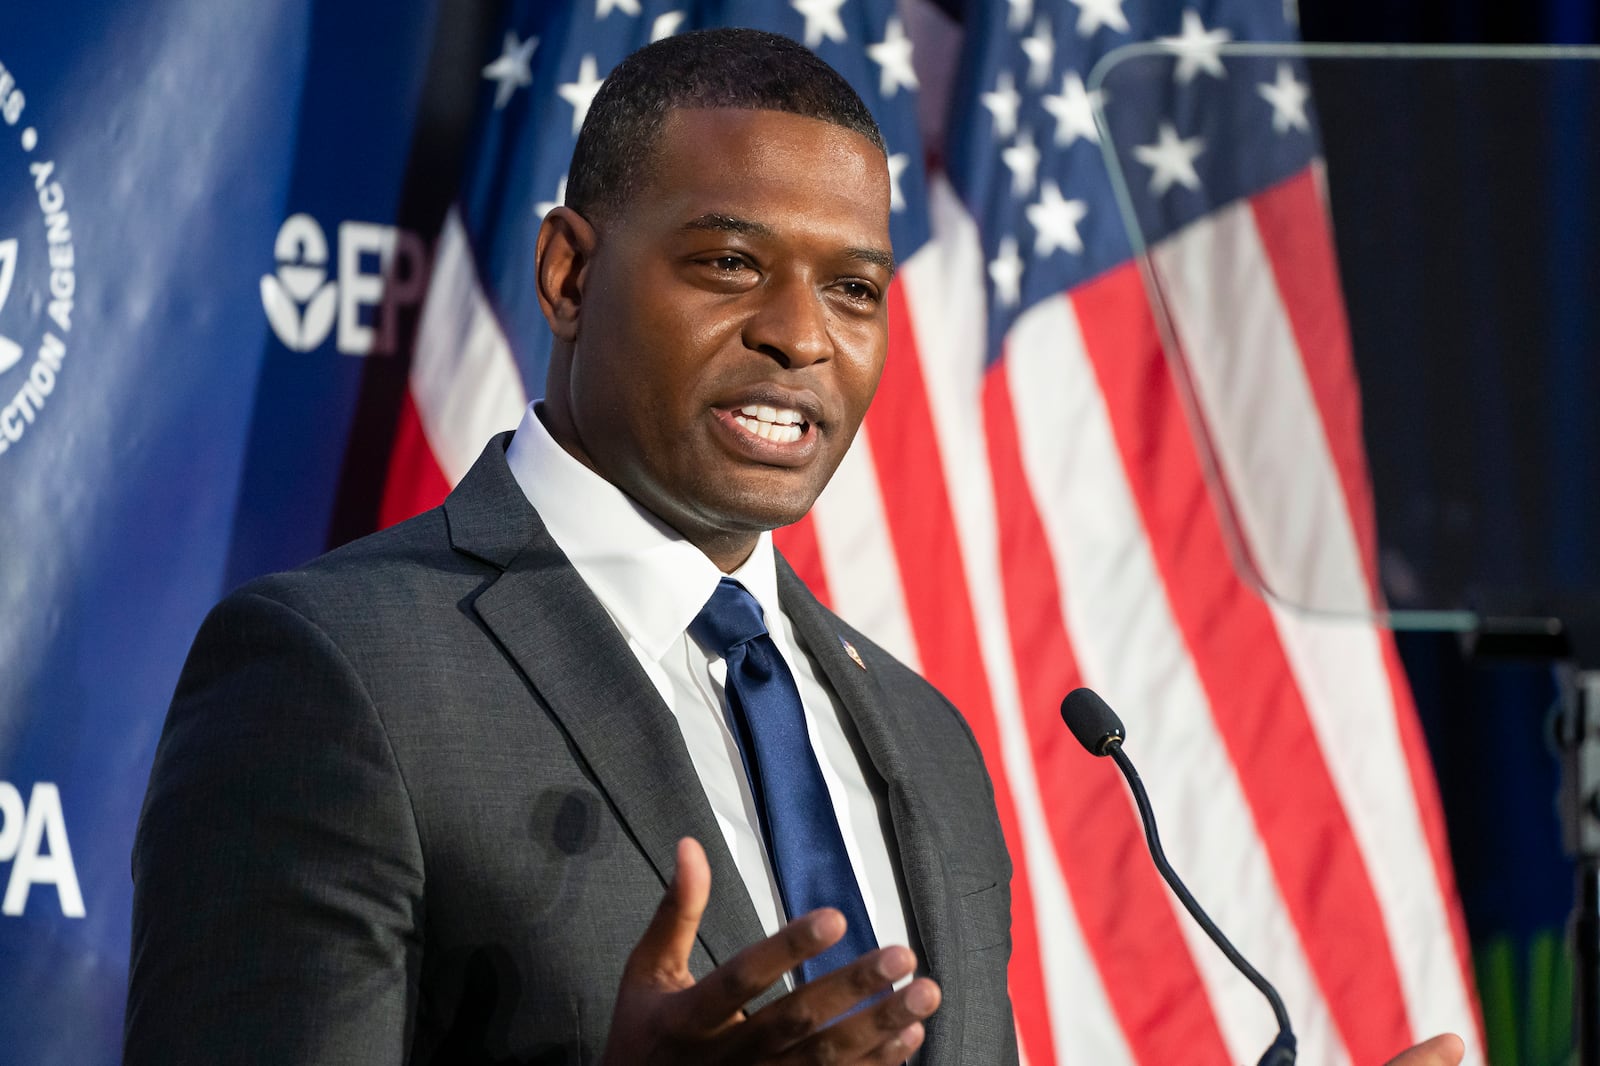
730 617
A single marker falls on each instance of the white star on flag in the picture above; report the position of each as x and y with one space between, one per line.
1197 48
1002 104
580 93
822 21
602 8
1005 270
897 166
1041 52
1093 14
1073 110
1288 99
1021 11
893 54
666 24
1022 159
513 69
1171 160
543 207
1055 221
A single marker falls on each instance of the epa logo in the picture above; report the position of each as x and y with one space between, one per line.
38 273
10 350
33 839
358 294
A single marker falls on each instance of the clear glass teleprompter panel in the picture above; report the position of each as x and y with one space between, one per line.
1377 275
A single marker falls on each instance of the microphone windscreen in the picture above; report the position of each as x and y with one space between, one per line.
1091 720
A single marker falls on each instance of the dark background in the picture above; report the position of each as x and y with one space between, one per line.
1502 517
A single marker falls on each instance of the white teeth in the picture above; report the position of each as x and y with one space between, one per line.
778 434
781 425
783 416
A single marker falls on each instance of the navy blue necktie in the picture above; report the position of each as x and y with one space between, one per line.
797 817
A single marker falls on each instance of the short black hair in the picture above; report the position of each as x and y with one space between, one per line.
733 68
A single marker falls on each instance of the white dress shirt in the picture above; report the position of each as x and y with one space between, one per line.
653 582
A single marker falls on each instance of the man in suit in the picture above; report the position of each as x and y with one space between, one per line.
477 788
488 787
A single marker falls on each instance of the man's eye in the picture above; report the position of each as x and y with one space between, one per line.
859 290
729 264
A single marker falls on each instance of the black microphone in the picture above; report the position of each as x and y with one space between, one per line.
1098 729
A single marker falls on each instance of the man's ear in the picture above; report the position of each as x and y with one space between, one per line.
565 248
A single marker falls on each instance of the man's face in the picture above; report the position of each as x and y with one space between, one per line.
732 323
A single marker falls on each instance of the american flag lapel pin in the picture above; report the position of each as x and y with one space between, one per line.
850 650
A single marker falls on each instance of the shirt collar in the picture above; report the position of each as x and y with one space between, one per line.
651 581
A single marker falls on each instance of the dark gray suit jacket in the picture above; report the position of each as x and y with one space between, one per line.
416 801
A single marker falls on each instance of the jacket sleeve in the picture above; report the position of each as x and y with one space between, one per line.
277 867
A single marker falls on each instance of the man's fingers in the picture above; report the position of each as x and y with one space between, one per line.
896 1048
663 950
885 1031
1446 1049
818 1014
729 987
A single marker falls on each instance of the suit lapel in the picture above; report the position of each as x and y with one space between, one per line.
554 629
889 741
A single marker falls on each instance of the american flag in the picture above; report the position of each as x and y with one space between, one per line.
1033 505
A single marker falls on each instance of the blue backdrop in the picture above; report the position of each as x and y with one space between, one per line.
157 439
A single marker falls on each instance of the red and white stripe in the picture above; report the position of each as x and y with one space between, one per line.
463 387
1016 530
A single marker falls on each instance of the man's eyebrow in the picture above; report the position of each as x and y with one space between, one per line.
729 224
750 227
871 255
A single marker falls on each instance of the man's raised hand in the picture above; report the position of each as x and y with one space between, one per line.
664 1016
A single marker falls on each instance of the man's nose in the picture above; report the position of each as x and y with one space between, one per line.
791 323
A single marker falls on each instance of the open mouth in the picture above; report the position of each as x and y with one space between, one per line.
780 425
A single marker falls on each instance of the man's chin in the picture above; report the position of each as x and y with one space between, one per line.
751 513
729 502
